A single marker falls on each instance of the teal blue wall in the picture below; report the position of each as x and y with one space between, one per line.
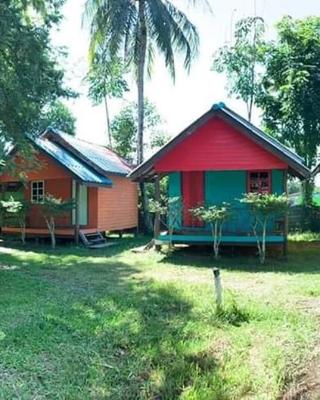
277 181
229 187
174 190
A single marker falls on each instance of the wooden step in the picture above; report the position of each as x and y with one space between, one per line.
92 240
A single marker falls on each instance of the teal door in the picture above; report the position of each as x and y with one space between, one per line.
83 204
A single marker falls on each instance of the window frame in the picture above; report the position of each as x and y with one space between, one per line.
259 171
37 201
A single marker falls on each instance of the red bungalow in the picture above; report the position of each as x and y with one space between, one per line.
72 168
217 159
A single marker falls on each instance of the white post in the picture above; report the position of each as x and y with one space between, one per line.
217 286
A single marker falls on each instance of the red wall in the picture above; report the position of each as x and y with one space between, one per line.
217 145
193 195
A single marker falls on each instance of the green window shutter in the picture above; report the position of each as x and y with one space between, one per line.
277 181
174 190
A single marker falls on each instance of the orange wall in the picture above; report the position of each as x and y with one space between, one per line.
60 188
114 208
92 207
45 168
118 206
57 181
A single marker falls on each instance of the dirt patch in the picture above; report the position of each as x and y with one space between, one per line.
308 386
308 381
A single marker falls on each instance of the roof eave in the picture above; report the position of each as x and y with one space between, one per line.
75 176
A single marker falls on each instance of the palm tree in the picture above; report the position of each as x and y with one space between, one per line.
135 29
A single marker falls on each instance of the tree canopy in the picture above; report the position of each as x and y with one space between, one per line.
106 80
124 130
30 77
56 115
135 30
290 96
240 60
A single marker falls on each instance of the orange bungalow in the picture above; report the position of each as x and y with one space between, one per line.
71 168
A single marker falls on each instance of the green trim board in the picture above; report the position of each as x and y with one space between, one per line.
224 240
174 190
83 194
277 181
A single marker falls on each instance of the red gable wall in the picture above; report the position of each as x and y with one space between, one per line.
217 145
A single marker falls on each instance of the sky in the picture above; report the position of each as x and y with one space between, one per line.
182 101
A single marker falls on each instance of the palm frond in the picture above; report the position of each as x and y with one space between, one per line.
173 32
109 21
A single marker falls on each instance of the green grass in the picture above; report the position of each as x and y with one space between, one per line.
304 236
112 324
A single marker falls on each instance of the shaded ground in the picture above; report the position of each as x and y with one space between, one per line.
111 324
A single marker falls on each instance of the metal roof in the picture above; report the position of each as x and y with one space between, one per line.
145 171
99 157
74 165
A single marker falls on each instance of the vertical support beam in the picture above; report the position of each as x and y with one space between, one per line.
77 214
286 218
2 198
156 232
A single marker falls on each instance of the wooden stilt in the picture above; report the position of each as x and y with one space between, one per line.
77 214
156 232
286 218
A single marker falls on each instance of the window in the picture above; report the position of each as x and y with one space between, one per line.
37 191
259 182
11 187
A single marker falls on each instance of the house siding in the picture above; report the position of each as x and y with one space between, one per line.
229 187
217 145
118 206
59 188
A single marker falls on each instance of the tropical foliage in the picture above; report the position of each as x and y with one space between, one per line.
136 30
215 216
58 116
290 97
106 80
263 207
29 76
124 130
241 59
15 211
52 208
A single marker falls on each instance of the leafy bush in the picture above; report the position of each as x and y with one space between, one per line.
215 216
263 206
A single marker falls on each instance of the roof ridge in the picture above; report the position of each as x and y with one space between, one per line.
104 147
102 160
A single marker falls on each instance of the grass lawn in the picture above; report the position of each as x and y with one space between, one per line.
113 324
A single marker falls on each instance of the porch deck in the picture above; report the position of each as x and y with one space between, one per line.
184 238
67 232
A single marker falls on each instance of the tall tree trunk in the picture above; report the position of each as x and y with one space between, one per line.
106 106
142 48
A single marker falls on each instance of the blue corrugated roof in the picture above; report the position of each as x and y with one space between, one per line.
73 164
100 156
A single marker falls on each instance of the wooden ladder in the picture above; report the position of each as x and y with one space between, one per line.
93 240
